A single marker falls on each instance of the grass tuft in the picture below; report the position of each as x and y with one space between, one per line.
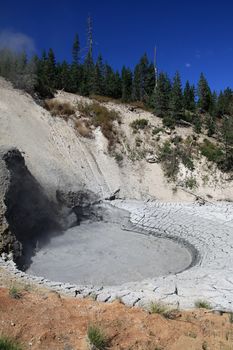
203 304
97 337
9 344
15 293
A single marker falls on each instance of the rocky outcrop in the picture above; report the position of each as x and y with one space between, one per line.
26 213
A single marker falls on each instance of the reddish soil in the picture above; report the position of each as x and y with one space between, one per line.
46 320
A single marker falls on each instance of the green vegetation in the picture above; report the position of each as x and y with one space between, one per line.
196 106
139 124
157 130
9 344
211 151
158 308
191 183
203 304
102 117
164 310
174 152
97 337
15 293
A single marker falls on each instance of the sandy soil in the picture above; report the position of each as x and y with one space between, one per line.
48 321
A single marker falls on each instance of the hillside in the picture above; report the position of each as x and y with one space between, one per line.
59 157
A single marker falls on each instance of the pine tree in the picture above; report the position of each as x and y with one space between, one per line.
75 69
161 96
88 72
143 80
76 50
126 76
108 80
176 97
64 77
117 87
204 94
50 68
99 76
43 87
189 97
227 137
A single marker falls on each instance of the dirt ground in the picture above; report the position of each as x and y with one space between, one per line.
41 319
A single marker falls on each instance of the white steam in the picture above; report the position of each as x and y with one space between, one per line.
16 41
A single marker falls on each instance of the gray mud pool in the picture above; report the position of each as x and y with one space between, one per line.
102 253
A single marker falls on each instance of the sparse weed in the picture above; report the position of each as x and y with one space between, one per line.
15 293
192 335
204 346
58 108
203 304
231 317
9 344
158 308
97 337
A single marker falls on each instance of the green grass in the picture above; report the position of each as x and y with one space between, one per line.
164 310
97 337
158 308
9 344
211 151
14 293
203 304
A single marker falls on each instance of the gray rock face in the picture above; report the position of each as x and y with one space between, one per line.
26 211
28 216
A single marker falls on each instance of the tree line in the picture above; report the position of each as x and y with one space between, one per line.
169 100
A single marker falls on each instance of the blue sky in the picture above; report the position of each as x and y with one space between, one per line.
191 36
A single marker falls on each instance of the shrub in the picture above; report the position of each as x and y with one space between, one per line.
211 151
96 337
119 158
169 122
169 158
156 130
141 105
191 183
15 293
139 124
203 304
102 117
58 108
197 124
9 344
104 99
